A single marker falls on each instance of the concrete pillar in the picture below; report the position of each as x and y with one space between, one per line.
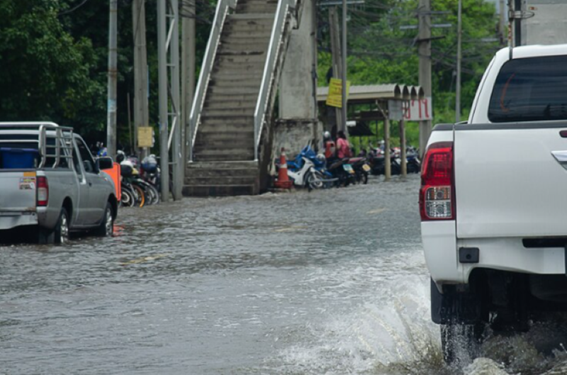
297 90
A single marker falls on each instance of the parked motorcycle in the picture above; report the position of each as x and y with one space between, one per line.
307 169
413 162
361 169
376 160
342 172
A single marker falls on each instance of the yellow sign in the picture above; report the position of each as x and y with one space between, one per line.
145 136
335 97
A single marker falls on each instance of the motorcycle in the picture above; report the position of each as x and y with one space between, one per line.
307 170
413 162
342 171
361 169
376 159
150 171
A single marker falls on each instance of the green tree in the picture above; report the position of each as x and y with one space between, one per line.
382 49
45 72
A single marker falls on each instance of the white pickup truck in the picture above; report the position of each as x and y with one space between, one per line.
50 185
493 202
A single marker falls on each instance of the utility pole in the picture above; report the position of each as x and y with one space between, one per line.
112 78
178 128
517 23
502 23
344 66
459 59
141 112
424 39
336 57
187 72
163 118
169 98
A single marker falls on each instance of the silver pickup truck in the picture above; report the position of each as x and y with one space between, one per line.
50 184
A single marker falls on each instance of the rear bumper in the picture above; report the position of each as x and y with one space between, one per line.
441 248
9 220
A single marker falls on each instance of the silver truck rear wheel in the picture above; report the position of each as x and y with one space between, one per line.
61 233
106 227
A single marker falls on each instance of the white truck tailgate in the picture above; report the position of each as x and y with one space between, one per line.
508 183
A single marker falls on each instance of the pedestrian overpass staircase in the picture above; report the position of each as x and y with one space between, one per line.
230 129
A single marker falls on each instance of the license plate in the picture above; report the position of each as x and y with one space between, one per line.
348 168
366 167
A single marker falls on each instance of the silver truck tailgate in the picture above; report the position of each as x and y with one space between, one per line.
17 191
508 183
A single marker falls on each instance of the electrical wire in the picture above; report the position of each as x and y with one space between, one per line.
72 9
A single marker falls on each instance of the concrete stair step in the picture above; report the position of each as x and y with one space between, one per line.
219 142
229 112
233 90
240 58
229 150
248 2
230 102
231 78
219 191
224 165
256 8
245 46
227 51
218 173
219 180
211 127
246 37
225 137
220 98
226 118
216 155
235 82
261 26
251 17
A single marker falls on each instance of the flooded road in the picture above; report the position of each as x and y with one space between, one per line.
327 282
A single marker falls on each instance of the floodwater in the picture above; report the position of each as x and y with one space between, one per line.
327 282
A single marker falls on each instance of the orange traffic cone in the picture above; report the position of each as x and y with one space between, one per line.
283 181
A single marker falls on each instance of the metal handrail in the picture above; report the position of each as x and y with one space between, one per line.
204 77
268 76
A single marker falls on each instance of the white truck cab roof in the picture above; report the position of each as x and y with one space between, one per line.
479 109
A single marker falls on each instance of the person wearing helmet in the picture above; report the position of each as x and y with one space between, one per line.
330 147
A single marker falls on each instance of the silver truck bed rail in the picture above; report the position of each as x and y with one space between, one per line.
39 135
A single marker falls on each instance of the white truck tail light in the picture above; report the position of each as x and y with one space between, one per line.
42 191
437 194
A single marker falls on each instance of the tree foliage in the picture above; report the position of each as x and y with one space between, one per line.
383 48
46 73
54 55
54 61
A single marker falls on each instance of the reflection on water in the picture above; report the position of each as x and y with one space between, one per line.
329 282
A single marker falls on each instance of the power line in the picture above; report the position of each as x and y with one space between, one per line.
72 9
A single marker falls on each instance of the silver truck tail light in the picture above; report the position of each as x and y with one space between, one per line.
437 194
42 191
